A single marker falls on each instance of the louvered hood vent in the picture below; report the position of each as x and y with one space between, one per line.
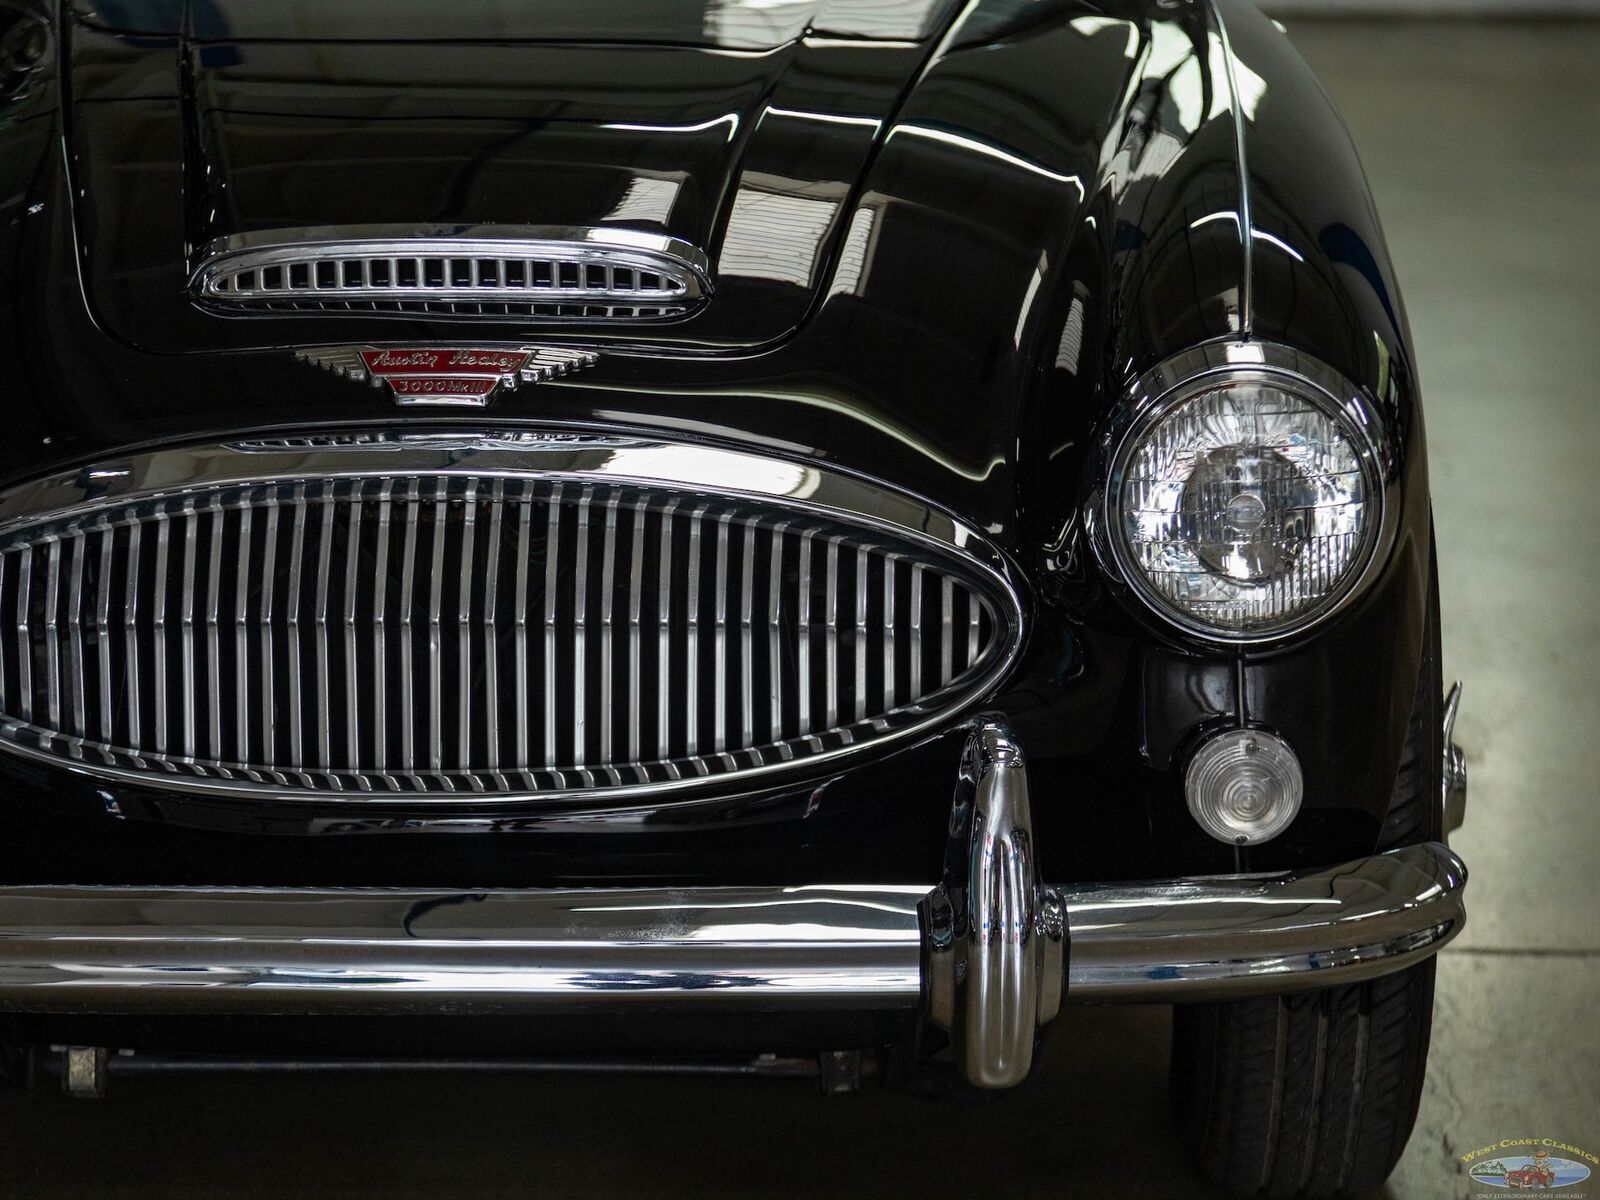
460 271
491 618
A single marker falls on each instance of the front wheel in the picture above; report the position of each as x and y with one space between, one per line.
1311 1094
1315 1094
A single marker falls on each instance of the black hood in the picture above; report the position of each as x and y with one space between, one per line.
697 120
939 235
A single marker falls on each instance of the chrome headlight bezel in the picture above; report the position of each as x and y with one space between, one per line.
1163 390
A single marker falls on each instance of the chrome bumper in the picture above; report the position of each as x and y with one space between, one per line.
985 954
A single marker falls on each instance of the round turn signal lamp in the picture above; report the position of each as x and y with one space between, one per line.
1244 786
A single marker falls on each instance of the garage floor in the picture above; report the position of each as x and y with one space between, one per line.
1483 144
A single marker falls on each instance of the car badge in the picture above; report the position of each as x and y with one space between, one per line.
448 375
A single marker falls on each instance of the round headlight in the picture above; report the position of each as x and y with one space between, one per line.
1246 502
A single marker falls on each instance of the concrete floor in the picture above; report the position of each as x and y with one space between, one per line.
1483 144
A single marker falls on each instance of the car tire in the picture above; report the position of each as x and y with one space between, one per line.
1314 1094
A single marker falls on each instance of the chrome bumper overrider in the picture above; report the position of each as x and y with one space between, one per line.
985 954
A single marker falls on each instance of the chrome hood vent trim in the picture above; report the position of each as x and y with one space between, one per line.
444 619
453 271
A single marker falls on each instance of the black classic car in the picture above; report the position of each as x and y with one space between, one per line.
716 531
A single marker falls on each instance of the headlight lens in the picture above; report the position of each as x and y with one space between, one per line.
1247 504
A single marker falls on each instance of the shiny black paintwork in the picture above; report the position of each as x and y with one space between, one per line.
1054 202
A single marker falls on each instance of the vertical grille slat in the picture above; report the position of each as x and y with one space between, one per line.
435 715
52 633
440 634
522 714
917 571
187 683
464 690
803 669
76 681
241 638
830 604
635 634
408 690
380 634
891 621
552 578
719 672
691 658
861 634
352 686
608 581
267 622
297 548
748 680
775 631
491 639
213 676
664 637
580 630
159 622
24 635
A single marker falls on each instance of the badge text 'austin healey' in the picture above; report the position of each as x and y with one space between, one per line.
448 375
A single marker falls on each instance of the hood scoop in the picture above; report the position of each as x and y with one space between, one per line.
454 271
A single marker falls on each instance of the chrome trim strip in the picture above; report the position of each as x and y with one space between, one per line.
1453 785
1247 229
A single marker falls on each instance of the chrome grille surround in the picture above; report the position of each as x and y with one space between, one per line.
453 271
663 553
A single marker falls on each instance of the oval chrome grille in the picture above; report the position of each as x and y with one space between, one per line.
444 634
